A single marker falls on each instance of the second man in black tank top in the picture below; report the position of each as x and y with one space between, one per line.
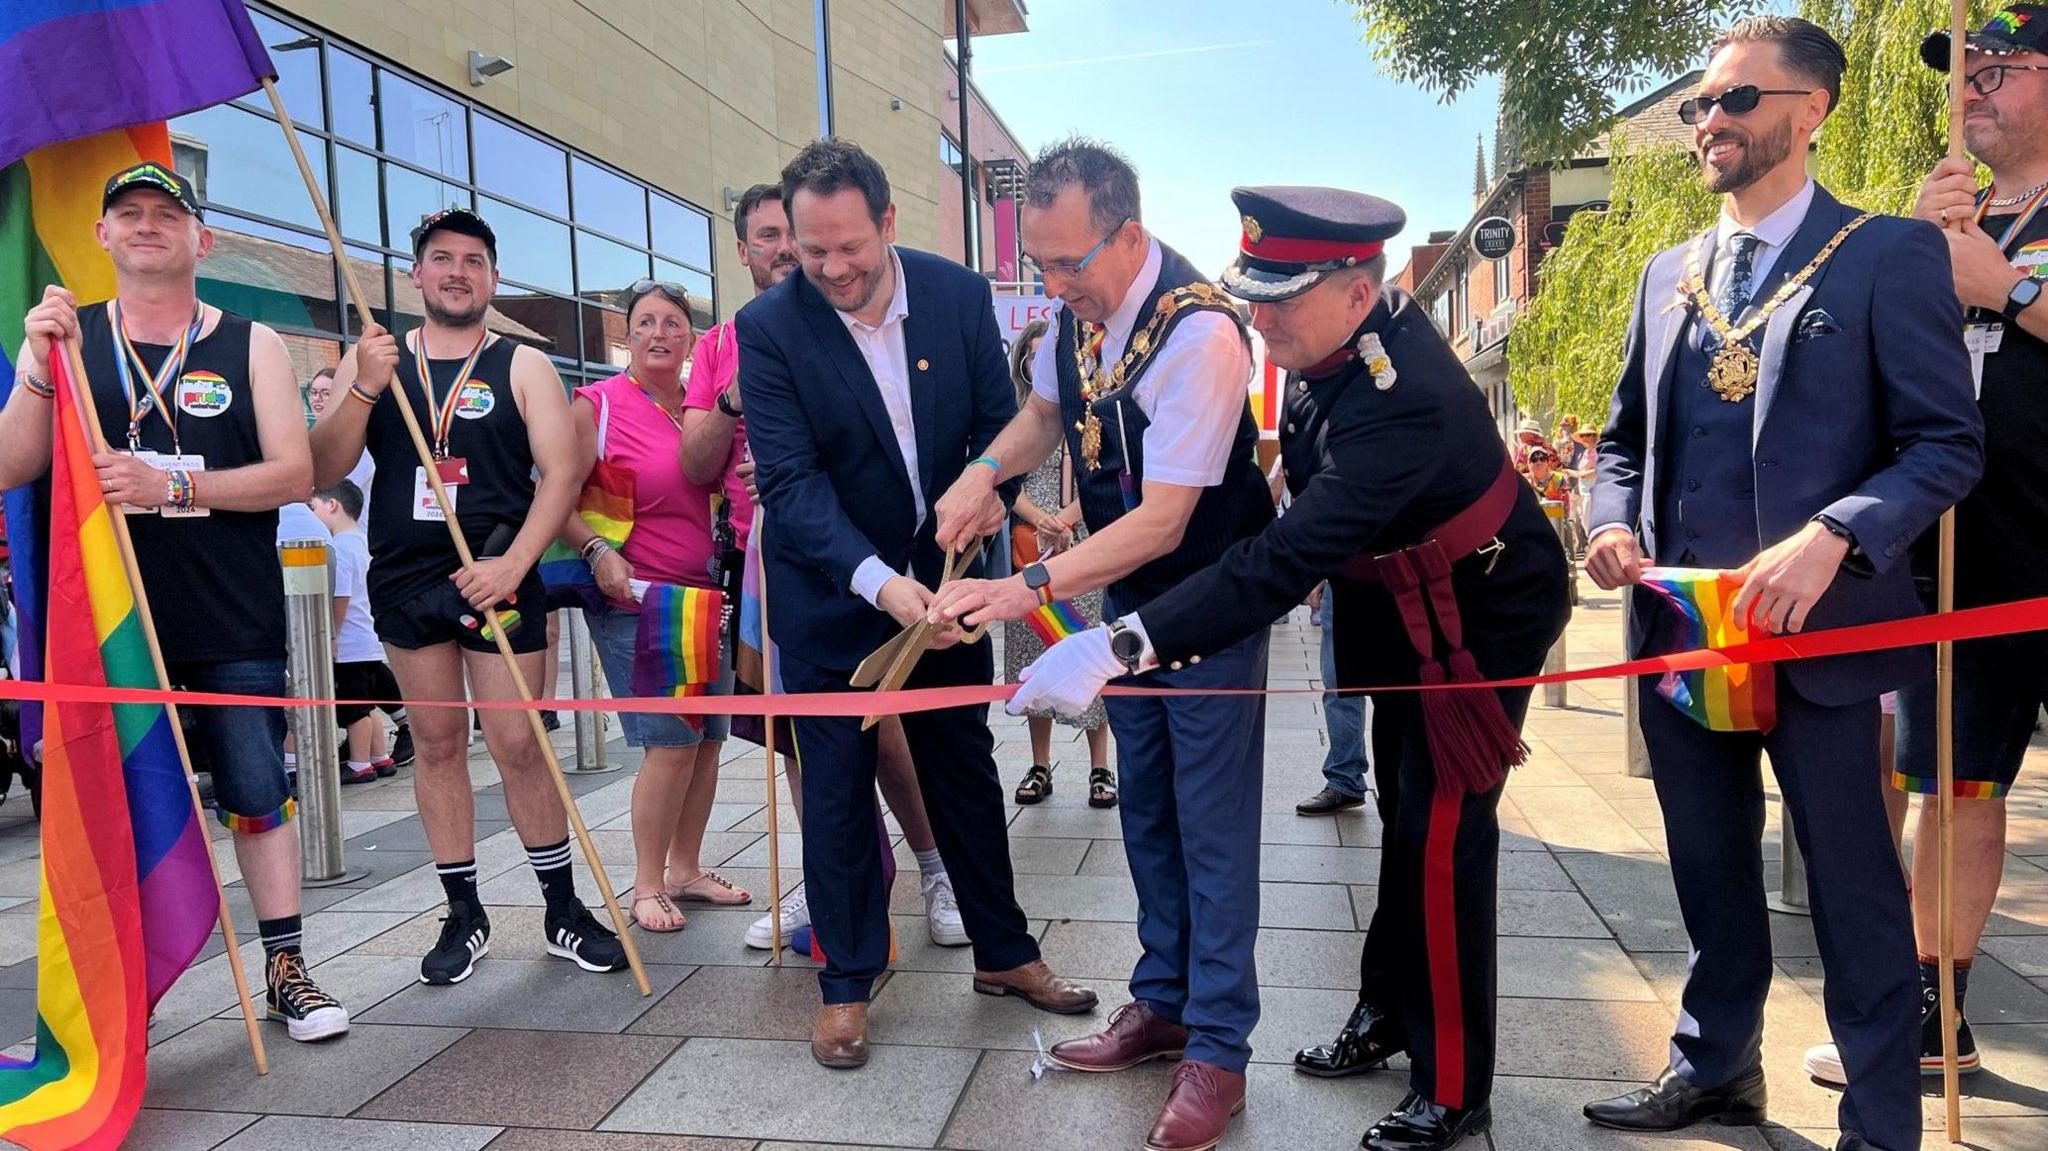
496 417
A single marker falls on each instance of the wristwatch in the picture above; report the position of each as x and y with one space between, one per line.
724 403
1039 580
1127 646
2021 297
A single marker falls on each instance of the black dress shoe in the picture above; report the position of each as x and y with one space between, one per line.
1419 1125
1326 801
1369 1038
1671 1103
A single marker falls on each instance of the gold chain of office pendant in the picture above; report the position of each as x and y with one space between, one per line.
1099 382
1735 368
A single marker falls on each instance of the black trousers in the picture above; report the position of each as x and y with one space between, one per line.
1429 957
1710 786
956 772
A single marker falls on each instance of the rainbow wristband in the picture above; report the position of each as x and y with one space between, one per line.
180 491
992 465
357 391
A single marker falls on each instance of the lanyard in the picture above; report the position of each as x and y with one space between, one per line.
156 394
444 409
2020 222
649 393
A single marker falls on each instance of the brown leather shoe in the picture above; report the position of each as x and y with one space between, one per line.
840 1037
1039 987
1136 1034
1199 1108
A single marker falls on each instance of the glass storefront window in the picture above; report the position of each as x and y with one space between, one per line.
410 197
359 212
702 313
533 250
604 337
348 92
609 203
604 270
272 275
296 56
240 160
421 126
682 233
521 167
536 319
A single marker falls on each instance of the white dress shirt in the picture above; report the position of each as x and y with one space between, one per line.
1191 394
881 345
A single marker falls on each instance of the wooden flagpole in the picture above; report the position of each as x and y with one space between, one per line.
768 742
1945 677
497 629
81 391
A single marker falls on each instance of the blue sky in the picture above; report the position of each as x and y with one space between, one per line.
1204 95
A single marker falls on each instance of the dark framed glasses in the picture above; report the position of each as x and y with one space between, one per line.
1737 101
1984 81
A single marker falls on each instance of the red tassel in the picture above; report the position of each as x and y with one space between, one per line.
1470 736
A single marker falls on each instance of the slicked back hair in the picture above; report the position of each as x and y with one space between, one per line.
1805 48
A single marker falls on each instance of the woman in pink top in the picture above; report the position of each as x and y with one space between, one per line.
635 420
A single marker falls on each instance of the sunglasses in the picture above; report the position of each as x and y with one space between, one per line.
1068 269
1984 81
641 289
1737 101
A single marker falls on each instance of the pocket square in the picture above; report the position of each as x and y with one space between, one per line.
1815 324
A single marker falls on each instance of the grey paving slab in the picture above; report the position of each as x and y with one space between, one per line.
548 995
207 1068
713 1086
926 1009
2027 955
1067 823
1633 894
524 1079
741 1003
1997 994
1311 831
1532 871
1293 863
1105 857
160 1130
529 1139
302 1134
411 835
1583 1039
1314 906
1549 913
915 950
1570 969
1291 1018
1042 855
207 987
1078 897
1327 959
1091 950
360 981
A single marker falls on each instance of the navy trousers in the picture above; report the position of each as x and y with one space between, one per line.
1191 772
1710 787
956 773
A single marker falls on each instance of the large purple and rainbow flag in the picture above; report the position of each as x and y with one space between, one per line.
128 894
1733 697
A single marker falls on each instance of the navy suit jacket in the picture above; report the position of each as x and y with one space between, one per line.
1864 411
831 476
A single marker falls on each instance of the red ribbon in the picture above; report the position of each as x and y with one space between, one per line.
1974 623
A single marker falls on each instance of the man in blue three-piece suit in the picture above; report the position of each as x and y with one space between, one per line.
1795 405
869 382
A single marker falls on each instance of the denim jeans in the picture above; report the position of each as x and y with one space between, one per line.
1347 716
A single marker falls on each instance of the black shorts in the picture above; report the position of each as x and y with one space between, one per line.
2001 686
367 679
437 615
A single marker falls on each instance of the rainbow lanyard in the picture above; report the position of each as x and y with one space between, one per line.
155 394
2019 224
444 409
649 393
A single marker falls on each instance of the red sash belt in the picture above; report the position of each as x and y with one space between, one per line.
1471 739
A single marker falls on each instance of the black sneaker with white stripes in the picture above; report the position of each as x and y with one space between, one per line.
578 937
465 938
293 999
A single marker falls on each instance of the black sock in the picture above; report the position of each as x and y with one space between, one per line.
459 881
281 934
557 882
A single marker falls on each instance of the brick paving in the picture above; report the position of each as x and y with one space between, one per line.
530 1055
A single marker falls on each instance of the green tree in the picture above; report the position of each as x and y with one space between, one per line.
1564 353
1560 66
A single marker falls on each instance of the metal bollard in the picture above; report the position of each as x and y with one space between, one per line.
1632 724
1791 897
1554 662
309 643
583 673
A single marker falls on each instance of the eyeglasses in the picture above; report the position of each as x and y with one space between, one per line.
1068 269
1984 81
1737 101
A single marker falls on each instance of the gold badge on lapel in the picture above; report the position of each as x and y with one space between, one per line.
924 365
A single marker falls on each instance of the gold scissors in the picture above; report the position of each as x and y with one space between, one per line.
888 667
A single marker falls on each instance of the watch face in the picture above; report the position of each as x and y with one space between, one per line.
1036 576
1126 645
2026 292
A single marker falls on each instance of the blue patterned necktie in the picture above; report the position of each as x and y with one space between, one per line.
1739 283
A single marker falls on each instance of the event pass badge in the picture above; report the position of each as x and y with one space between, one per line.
165 462
454 472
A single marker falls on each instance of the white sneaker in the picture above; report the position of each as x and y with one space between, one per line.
796 914
1824 1063
942 912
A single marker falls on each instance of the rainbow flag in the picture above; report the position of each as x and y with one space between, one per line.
606 505
81 67
676 648
1735 697
128 894
1055 621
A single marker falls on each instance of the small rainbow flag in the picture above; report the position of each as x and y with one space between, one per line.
1734 697
128 895
676 649
606 505
1055 621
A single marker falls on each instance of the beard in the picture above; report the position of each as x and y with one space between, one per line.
1760 154
773 274
463 319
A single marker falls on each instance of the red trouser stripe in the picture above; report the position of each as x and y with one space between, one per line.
1440 922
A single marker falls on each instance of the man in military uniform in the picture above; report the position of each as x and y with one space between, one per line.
1406 501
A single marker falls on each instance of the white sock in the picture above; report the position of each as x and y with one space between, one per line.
359 766
291 759
929 864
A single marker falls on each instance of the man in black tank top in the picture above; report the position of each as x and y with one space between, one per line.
1146 376
201 409
497 418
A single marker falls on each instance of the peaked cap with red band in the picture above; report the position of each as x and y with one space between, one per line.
1295 236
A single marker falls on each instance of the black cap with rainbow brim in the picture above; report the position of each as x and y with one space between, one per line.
2020 28
150 174
459 220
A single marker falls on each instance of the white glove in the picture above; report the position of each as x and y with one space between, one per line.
1069 676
